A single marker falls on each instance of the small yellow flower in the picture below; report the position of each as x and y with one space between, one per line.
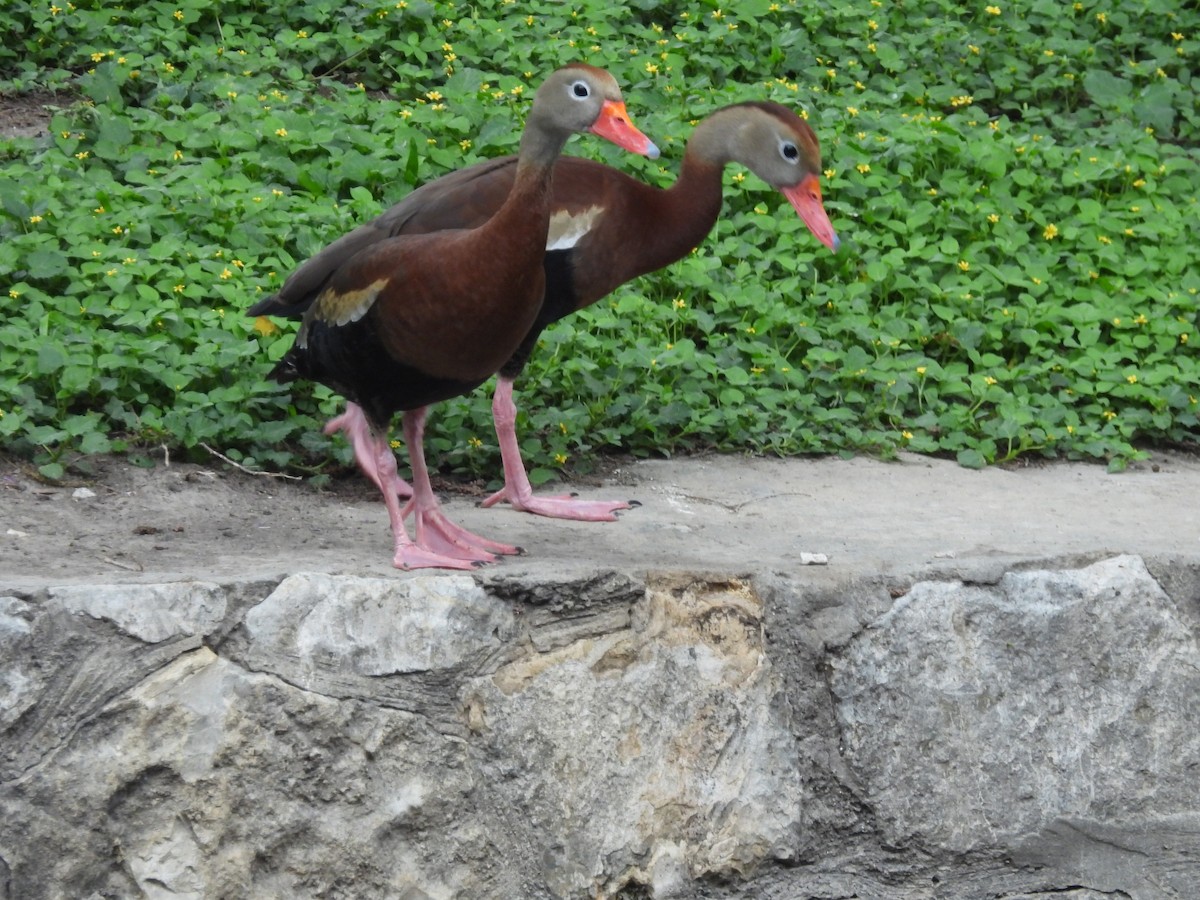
863 168
177 155
474 442
560 458
281 132
1132 379
679 303
226 274
394 444
829 173
301 34
907 435
265 326
964 265
14 293
1183 338
853 110
1108 413
82 154
993 218
178 15
872 25
1101 17
989 380
178 289
97 57
168 67
1050 232
921 370
992 10
35 219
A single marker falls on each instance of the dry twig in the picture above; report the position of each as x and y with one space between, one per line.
221 456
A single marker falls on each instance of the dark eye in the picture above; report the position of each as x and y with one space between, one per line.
580 89
789 151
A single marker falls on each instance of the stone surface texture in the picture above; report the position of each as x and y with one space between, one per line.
1028 733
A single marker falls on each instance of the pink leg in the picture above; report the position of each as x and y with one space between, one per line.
517 489
363 442
379 464
435 532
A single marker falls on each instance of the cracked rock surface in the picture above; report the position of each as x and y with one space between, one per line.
942 711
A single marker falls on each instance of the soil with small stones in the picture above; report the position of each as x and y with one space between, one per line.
28 115
726 514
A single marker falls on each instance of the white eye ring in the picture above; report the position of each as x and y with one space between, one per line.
580 90
789 151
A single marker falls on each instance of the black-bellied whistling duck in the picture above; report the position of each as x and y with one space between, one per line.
605 229
414 319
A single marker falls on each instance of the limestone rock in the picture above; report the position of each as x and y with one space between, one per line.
976 714
377 626
148 612
648 755
1027 733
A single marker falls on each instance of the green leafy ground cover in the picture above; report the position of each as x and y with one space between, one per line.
1015 186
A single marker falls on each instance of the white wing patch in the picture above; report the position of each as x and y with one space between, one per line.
567 230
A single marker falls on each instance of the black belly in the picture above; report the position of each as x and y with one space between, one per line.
350 360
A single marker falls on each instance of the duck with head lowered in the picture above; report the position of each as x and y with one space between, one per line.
399 323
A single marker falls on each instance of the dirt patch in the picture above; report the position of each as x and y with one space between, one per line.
28 114
727 514
116 521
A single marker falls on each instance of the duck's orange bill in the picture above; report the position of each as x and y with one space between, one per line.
613 123
806 198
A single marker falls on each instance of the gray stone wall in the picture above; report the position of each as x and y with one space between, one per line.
1029 732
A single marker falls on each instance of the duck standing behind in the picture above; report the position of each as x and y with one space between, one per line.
606 228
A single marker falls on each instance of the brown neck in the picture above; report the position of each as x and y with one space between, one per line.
526 210
680 217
